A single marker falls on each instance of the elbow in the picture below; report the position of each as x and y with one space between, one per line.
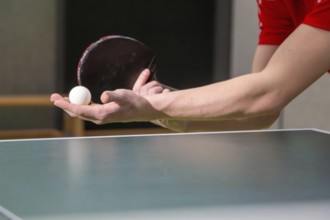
173 125
266 105
266 121
265 111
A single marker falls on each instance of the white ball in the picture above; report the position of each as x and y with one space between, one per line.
80 95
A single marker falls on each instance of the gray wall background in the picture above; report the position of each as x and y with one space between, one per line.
27 59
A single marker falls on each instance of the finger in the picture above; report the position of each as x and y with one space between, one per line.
58 99
105 97
166 90
145 90
141 80
75 110
62 103
155 90
117 95
86 112
55 96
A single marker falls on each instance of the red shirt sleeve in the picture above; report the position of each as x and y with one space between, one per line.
278 19
274 21
320 15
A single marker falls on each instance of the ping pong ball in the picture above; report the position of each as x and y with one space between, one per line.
80 95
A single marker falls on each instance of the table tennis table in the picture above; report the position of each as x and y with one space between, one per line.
268 174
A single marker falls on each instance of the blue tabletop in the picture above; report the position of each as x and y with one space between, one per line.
129 174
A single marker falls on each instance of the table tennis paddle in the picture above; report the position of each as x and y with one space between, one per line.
114 62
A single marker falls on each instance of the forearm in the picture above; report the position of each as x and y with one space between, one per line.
251 123
244 96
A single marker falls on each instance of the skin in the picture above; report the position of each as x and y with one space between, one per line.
251 101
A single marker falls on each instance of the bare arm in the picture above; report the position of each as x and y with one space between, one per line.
295 65
262 56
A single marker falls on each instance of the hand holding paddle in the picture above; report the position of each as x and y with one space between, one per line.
114 62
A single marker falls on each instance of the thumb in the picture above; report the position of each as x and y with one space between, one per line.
105 97
113 96
141 80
